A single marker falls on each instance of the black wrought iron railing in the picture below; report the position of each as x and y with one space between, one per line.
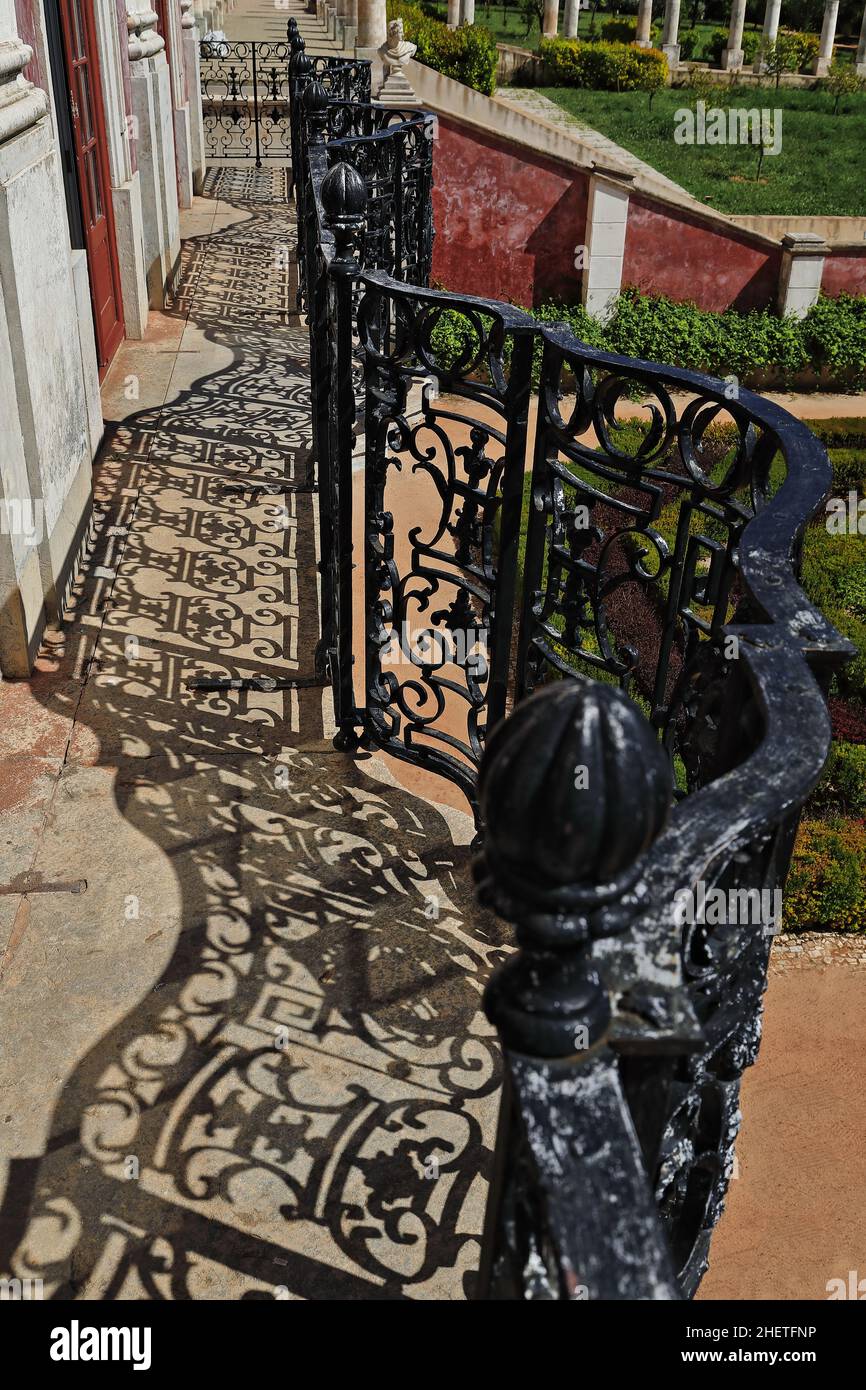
245 99
580 603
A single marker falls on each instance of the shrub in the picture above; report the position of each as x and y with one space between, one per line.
467 54
841 81
718 42
842 789
840 432
826 887
834 335
849 468
808 48
624 30
606 67
832 570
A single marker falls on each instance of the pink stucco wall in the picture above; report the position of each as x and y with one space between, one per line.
507 220
670 252
845 270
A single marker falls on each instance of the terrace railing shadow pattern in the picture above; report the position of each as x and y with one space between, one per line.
621 538
303 1118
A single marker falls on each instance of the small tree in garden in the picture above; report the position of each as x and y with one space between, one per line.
701 85
842 81
782 56
532 12
652 79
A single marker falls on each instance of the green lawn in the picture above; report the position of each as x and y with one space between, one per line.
820 168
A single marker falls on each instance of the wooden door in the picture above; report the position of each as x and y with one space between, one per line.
94 183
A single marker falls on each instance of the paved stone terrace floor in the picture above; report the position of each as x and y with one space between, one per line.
240 1058
182 874
263 19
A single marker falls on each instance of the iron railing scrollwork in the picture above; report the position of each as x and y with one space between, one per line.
245 99
616 542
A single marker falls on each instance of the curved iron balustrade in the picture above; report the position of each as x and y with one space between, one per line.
621 538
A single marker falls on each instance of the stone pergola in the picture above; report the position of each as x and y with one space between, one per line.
732 57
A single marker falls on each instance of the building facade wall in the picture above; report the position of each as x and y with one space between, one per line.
47 362
49 378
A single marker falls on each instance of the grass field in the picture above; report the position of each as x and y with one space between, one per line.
820 168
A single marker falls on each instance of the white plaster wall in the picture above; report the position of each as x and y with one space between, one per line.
43 314
20 582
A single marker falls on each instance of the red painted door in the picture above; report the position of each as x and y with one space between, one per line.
91 158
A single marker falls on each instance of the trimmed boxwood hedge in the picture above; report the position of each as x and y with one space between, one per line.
605 67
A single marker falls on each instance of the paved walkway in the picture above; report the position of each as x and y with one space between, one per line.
262 19
241 1056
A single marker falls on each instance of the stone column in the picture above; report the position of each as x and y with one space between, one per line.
176 12
372 23
122 142
670 47
732 58
372 35
453 13
606 222
192 67
571 17
802 268
350 24
550 22
467 11
154 116
861 49
48 369
828 34
770 34
644 23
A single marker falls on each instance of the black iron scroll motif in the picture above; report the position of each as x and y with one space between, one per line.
580 576
245 100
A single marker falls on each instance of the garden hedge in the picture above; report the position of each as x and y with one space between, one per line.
605 67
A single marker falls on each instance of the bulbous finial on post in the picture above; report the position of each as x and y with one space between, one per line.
291 28
300 65
344 203
316 111
573 789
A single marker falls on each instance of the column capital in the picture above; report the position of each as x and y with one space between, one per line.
21 104
144 39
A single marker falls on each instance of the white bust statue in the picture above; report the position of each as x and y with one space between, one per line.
397 51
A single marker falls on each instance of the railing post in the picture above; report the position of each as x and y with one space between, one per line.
344 199
300 73
573 789
312 288
253 46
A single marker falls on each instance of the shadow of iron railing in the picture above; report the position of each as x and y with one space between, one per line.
300 1098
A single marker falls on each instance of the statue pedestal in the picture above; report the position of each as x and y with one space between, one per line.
396 90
